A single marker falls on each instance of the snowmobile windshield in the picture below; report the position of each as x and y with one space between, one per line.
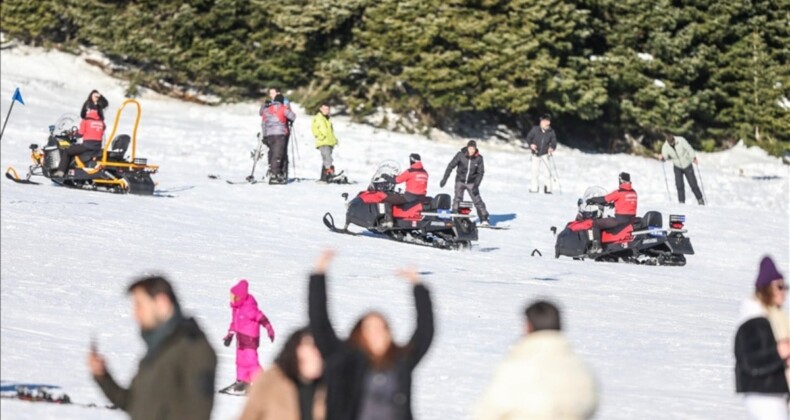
384 178
590 211
67 123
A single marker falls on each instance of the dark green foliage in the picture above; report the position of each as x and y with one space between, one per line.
713 71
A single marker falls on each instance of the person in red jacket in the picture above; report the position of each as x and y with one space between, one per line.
91 130
416 180
624 199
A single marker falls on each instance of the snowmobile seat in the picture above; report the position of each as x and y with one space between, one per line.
652 219
89 157
617 229
118 148
441 202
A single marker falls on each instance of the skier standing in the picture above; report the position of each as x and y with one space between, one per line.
542 141
762 347
683 158
541 378
276 118
91 130
325 141
625 201
245 324
469 170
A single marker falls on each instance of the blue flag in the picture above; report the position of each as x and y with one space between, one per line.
18 97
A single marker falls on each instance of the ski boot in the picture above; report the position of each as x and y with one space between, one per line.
484 222
701 202
546 189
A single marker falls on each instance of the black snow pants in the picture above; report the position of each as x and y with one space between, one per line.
278 154
474 194
689 174
75 150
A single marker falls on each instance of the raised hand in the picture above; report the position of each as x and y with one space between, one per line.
323 261
410 274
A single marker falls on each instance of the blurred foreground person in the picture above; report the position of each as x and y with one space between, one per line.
175 379
542 378
762 347
292 389
368 376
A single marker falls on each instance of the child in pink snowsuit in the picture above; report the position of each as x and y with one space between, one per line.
246 323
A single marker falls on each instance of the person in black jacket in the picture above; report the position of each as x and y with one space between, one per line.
469 171
761 353
368 376
542 141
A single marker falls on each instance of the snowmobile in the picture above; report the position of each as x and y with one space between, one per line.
429 222
643 241
108 169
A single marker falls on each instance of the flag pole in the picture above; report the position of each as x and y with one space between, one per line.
6 119
17 97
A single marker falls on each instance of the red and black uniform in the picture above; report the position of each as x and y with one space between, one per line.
91 130
625 203
416 179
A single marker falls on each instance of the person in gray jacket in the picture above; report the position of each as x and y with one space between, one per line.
276 118
683 157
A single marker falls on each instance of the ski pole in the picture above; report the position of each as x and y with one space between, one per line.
556 174
666 182
701 184
255 158
293 149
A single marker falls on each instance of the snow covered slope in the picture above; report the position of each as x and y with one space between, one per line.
658 338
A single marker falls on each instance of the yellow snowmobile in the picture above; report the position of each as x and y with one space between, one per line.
108 169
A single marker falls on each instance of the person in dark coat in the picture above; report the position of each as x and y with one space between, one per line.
368 376
542 141
761 360
175 379
469 171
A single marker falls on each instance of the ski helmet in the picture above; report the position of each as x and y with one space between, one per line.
624 177
414 157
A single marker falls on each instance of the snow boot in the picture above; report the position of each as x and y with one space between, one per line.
546 189
595 248
701 202
484 223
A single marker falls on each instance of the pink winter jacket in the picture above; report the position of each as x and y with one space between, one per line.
247 318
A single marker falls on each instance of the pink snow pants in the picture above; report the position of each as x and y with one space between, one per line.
247 365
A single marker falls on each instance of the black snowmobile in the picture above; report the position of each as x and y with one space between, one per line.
429 222
643 241
108 169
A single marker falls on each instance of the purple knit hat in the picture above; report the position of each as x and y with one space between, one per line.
768 273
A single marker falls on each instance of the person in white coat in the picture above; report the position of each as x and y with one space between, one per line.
542 378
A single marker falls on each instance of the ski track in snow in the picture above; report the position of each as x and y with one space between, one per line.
659 339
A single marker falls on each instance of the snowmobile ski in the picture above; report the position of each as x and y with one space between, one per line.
12 175
329 222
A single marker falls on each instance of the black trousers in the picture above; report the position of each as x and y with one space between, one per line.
278 153
474 194
75 150
689 174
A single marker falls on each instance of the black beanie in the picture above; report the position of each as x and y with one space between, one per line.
625 177
414 157
472 143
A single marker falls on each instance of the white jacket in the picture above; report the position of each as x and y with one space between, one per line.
540 379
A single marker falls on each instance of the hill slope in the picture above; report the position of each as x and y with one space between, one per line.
659 339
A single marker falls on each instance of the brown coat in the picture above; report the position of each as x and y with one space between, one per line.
274 397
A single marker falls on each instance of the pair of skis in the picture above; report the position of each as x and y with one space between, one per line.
42 393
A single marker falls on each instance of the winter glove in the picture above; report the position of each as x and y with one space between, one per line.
443 183
228 338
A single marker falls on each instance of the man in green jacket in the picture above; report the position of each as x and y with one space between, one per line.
175 379
325 141
683 157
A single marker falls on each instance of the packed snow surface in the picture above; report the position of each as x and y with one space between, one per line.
658 338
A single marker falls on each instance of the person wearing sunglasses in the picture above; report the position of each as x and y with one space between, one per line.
762 347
